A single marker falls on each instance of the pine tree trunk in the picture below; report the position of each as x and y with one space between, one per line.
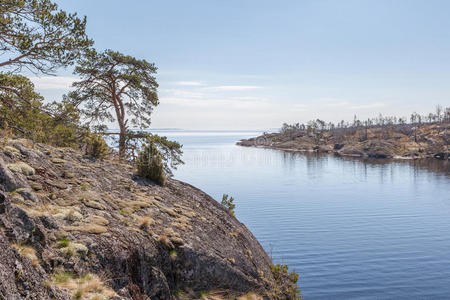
122 142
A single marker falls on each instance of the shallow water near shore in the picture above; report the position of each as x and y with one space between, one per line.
352 229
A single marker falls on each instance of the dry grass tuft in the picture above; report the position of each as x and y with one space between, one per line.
93 204
164 239
98 220
145 222
189 214
170 211
182 223
89 286
88 228
35 263
249 253
250 296
234 234
27 252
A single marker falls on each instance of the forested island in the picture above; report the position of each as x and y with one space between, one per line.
419 136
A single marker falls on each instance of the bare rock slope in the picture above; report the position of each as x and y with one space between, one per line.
73 227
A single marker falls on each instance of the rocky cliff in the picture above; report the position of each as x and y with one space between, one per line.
75 227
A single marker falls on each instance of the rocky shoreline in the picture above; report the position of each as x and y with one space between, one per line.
431 142
76 227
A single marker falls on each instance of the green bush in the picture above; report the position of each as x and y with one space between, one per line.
284 283
96 146
150 165
23 113
228 203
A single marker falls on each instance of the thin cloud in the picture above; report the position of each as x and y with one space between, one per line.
338 104
235 87
368 106
190 83
218 104
299 107
53 82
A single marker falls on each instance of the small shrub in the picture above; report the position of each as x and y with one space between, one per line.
78 294
173 254
150 165
284 283
69 252
62 243
203 294
96 146
62 277
228 203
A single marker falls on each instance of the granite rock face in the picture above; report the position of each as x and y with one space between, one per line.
103 224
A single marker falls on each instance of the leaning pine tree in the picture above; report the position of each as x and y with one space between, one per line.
116 87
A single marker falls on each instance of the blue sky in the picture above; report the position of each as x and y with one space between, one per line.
242 64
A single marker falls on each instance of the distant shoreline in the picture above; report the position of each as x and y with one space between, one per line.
396 142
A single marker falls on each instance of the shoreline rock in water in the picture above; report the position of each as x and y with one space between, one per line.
429 141
71 226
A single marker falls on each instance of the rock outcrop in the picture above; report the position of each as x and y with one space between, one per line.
400 141
74 227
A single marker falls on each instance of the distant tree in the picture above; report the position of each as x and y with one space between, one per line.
321 124
366 129
439 113
36 35
447 115
114 83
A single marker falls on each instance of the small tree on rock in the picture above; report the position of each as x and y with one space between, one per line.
228 203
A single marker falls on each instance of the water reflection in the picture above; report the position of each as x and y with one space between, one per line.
317 161
353 228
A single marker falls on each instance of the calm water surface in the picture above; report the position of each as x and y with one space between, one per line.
352 229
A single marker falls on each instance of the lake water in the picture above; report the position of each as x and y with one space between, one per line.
352 229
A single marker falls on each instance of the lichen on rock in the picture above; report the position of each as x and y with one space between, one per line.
85 218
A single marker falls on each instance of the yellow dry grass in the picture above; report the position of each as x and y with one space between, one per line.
87 287
27 252
88 228
145 222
